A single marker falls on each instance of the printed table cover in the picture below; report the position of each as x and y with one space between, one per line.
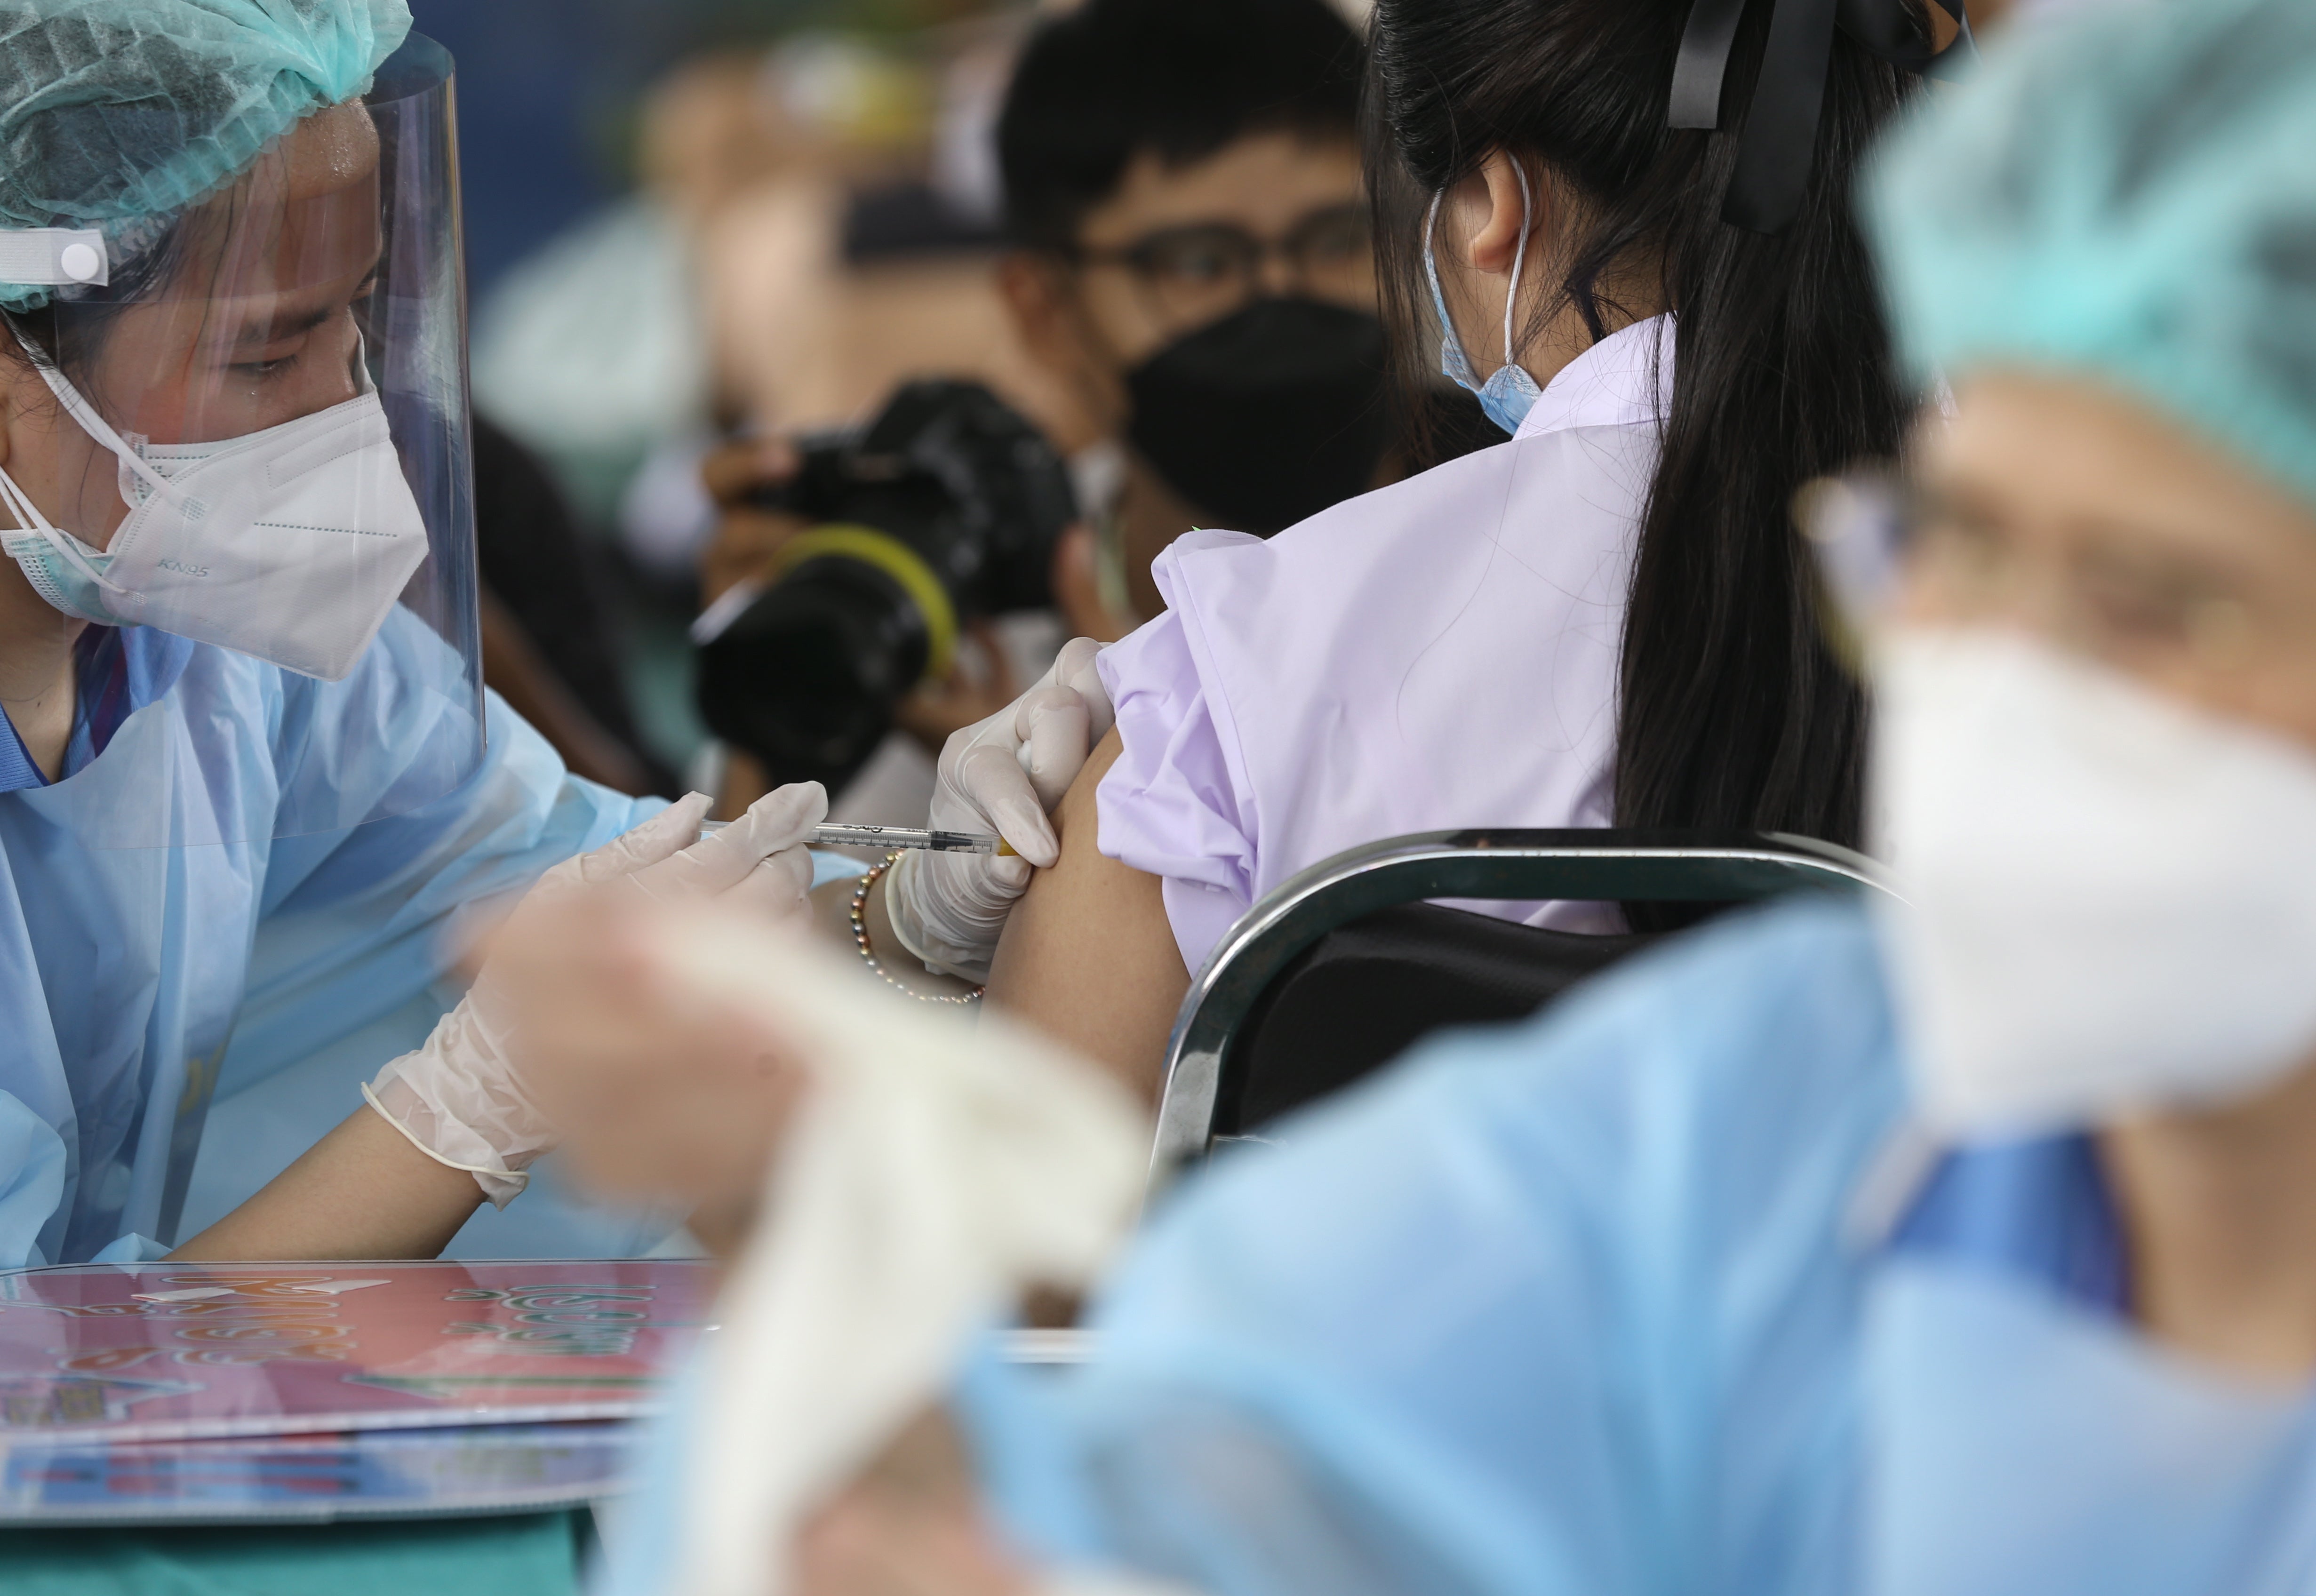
172 1351
273 1479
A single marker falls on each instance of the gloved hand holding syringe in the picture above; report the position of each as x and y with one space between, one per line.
947 900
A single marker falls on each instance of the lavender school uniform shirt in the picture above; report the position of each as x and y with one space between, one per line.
1440 653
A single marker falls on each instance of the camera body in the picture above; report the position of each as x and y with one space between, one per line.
945 508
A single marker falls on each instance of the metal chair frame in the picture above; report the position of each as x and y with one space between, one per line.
1505 866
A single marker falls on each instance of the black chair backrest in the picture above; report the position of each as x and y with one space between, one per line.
1364 992
1343 967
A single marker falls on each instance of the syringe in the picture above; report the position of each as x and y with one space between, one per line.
896 837
908 836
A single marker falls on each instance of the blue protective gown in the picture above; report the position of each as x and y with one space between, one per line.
159 948
1592 1307
1588 1308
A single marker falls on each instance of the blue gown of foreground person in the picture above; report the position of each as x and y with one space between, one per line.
1598 1306
1601 1307
1636 1299
227 998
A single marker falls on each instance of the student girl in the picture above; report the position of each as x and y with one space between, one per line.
1630 236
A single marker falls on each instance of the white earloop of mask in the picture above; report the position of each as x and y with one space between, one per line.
85 415
1519 258
28 514
1511 295
1510 392
29 519
1454 365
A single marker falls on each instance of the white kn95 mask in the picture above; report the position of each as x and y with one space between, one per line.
2113 894
290 545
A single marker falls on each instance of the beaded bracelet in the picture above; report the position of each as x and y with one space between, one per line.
858 915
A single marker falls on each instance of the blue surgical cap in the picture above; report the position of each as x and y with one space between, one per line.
2129 195
117 114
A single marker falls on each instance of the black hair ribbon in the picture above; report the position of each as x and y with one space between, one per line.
1780 137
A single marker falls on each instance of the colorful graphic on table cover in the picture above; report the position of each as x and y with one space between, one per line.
160 1351
314 1478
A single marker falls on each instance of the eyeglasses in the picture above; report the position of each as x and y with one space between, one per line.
2112 597
1197 274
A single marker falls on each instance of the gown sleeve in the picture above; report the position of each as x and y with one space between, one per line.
1561 1309
355 924
352 964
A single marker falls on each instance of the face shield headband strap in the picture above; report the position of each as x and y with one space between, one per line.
1780 137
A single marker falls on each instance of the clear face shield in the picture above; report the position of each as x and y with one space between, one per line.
259 443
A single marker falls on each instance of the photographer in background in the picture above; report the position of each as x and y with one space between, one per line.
1190 260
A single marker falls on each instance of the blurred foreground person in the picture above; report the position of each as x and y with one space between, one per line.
1963 1247
931 1172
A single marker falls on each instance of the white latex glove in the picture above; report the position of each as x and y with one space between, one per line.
1002 774
459 1099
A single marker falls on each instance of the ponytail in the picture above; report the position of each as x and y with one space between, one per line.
1732 711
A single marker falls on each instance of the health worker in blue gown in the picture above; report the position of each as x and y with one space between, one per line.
1963 1245
249 775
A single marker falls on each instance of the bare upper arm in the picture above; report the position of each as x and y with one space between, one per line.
1087 956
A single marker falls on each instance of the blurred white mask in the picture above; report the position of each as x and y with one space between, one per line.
2113 894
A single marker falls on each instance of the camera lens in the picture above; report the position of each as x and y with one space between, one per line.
946 508
808 677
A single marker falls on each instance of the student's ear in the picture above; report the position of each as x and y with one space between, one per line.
1494 203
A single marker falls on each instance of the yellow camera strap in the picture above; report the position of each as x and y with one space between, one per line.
896 559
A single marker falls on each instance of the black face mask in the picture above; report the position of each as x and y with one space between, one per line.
1267 416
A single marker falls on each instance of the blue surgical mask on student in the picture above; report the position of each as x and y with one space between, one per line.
1510 392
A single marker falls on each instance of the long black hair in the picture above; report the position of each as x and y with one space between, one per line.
1732 711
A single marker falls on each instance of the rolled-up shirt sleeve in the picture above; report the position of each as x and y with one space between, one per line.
1177 805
